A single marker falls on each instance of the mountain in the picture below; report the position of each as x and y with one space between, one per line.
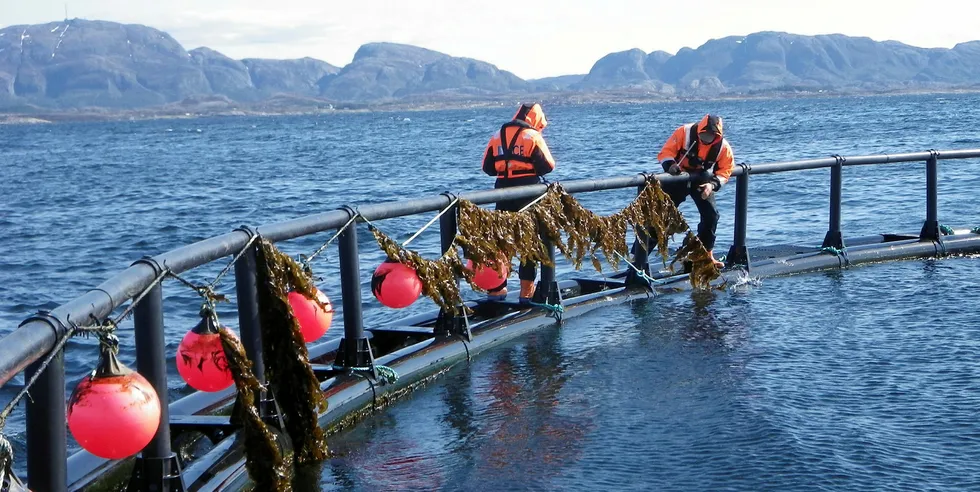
106 66
777 60
80 63
381 71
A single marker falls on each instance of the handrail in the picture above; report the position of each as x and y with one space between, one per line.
34 338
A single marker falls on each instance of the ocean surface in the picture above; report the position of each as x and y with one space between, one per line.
867 378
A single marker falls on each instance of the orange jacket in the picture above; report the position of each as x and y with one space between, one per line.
717 156
518 150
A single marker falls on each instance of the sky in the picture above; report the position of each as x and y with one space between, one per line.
532 39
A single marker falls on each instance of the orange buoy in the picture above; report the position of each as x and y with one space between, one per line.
114 412
489 278
201 359
313 319
395 284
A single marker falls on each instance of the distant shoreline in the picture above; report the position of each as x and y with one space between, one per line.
177 111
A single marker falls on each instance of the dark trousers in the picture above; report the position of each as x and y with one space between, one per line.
707 208
529 270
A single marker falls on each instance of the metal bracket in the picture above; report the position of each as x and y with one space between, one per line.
167 468
59 327
152 263
457 325
363 357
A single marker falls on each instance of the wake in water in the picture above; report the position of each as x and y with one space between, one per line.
743 281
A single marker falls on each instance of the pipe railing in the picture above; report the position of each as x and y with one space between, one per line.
31 342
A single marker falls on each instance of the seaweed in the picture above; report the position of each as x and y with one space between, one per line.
288 370
438 277
703 270
265 463
485 234
492 236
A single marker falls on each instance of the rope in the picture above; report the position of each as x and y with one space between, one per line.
556 310
103 330
426 226
306 260
946 230
6 458
639 272
205 291
233 260
840 253
136 300
385 373
8 480
536 200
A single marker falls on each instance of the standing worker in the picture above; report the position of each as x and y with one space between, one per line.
517 155
701 150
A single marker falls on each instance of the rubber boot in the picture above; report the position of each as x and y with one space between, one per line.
527 291
717 263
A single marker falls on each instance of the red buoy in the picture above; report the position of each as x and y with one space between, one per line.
395 284
489 278
201 359
113 412
313 319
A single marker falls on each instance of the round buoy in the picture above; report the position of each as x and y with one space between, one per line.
201 359
395 284
114 412
313 319
489 278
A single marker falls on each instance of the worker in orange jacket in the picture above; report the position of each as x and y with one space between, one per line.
701 150
518 155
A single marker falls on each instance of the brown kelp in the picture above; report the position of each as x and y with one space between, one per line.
266 465
438 277
487 236
288 370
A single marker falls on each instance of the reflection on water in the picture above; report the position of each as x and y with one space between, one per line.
830 381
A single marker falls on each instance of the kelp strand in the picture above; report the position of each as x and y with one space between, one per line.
491 236
703 271
266 465
438 277
288 370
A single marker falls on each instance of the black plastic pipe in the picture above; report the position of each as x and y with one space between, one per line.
31 342
354 343
930 228
738 254
47 434
151 362
247 294
834 237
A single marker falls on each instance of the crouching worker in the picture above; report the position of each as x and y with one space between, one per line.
701 150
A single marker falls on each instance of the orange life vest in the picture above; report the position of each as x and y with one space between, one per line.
512 155
693 161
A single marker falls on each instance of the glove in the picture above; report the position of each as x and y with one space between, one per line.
715 183
671 167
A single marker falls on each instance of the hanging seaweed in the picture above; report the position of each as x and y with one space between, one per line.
703 270
266 465
654 215
288 370
488 235
438 277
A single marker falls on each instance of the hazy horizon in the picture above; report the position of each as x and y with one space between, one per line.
545 39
